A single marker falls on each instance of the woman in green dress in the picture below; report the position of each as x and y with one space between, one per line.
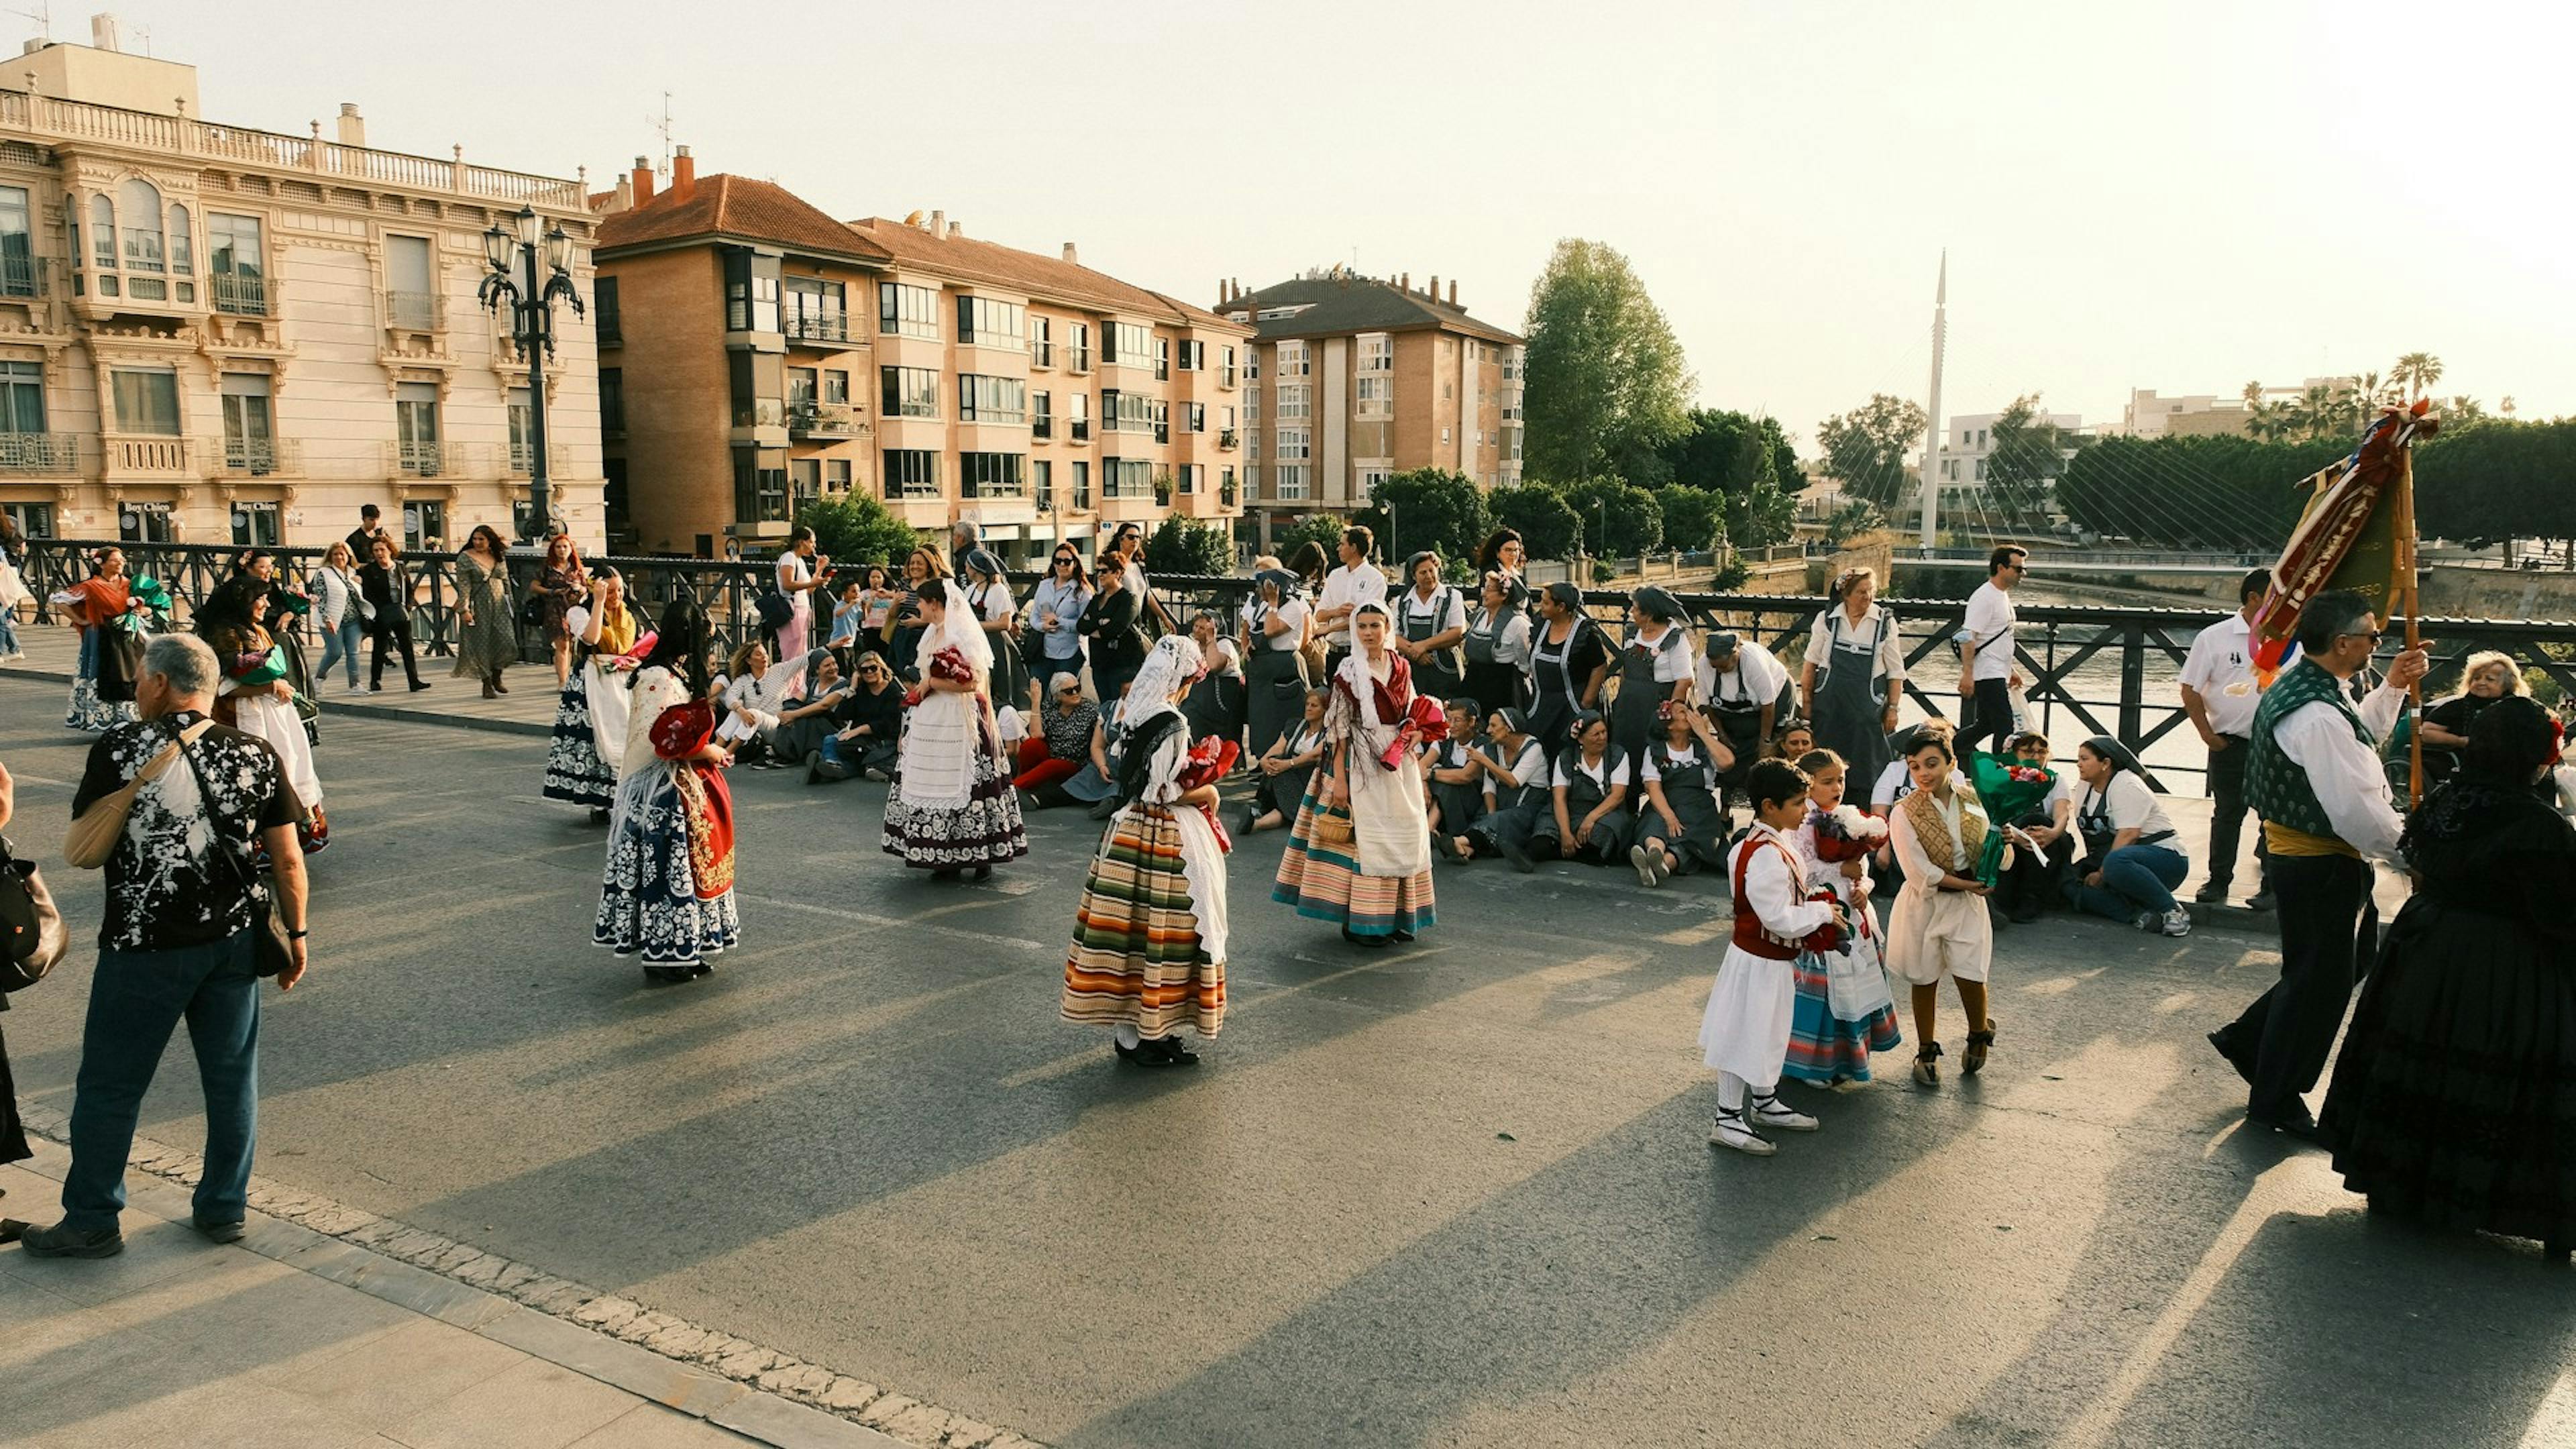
487 634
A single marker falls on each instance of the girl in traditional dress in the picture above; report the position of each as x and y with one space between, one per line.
1149 940
590 714
1744 1034
257 694
1215 704
487 633
1517 794
1844 1011
1360 854
1938 926
97 604
1682 825
952 807
667 892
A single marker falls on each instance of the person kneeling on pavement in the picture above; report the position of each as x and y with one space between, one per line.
2132 858
2038 876
871 728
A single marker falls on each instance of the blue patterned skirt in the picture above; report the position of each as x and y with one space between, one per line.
574 770
648 896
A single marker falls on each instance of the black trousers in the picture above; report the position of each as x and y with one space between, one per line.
2329 933
396 632
1989 713
2227 816
2035 880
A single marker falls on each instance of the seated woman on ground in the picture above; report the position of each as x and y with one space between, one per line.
1284 769
1092 785
1456 782
1063 742
1682 825
1516 789
2132 858
870 733
1590 822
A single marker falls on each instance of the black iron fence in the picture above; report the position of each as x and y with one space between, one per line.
2112 671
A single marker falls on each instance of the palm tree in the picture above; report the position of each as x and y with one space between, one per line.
2314 414
2466 410
2506 406
2373 390
2417 372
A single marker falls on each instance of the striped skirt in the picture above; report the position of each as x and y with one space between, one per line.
1136 952
1823 1048
1324 882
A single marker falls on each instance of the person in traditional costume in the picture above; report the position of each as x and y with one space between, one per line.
1288 767
1744 1033
1455 778
1654 665
1853 676
590 714
487 624
2454 1101
1844 1011
1518 794
1274 670
1149 939
1431 624
256 694
103 601
1938 926
667 892
952 807
988 593
1682 825
1568 662
1360 853
1498 644
1589 821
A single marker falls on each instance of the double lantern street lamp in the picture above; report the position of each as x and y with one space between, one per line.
532 328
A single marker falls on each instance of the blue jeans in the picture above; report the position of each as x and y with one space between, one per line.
8 631
2134 878
135 1000
342 643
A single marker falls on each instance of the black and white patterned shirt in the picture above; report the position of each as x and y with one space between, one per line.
166 886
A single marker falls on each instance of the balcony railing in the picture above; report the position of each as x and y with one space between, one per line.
1225 494
415 311
913 492
437 458
1082 430
817 329
1226 439
1042 427
1041 353
242 294
765 412
522 457
39 452
246 457
152 453
1018 488
1077 359
24 276
824 420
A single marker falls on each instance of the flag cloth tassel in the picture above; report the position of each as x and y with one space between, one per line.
2347 536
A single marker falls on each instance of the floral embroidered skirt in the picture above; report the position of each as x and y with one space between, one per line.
574 770
986 830
648 895
88 713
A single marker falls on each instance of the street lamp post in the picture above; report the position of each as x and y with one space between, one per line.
532 327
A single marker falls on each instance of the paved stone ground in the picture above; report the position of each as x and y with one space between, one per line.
1451 1194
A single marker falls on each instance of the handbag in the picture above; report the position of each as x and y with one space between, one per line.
32 937
94 833
120 662
774 608
270 951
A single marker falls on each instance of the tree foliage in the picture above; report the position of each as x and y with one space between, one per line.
1728 452
1183 547
854 528
1694 518
2192 492
2029 455
1323 528
1617 517
1851 521
2496 480
1607 383
1867 447
1545 521
1764 516
1433 509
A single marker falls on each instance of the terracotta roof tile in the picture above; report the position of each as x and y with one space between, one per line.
728 205
1358 304
976 260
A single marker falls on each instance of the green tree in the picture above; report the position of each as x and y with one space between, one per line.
1694 518
2416 372
2193 492
1851 521
1432 509
1866 448
2495 481
1607 383
1617 517
1785 469
1545 521
1761 517
2029 454
1322 528
1726 452
1183 547
855 528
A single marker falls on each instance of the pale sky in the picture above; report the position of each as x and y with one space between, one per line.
2180 196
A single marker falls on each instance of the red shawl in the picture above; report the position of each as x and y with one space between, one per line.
103 600
706 801
1394 697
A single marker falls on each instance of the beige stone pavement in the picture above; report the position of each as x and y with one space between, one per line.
179 1342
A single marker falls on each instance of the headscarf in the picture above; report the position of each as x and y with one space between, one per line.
2115 752
1721 645
1288 583
983 562
2512 738
958 628
1173 662
1658 603
1514 719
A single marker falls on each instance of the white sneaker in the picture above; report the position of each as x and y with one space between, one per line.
1644 860
2177 922
1772 1112
1732 1132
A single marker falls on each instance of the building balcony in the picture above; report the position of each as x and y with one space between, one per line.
820 332
434 458
415 312
1042 354
1226 439
147 455
1208 501
252 457
39 454
521 457
27 278
761 423
1125 506
1042 428
829 421
1081 430
243 295
1077 359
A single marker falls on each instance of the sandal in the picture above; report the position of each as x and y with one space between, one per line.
1927 1065
1973 1060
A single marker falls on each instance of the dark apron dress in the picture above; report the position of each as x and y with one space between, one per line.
1460 805
1691 790
1010 674
1517 813
1632 714
1494 685
1274 682
1214 706
1558 697
1583 794
1739 723
1851 700
1282 792
1437 675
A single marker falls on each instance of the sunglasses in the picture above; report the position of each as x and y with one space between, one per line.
2374 636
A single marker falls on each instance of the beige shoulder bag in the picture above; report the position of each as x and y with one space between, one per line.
94 833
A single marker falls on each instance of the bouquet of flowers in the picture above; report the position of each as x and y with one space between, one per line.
1211 760
1424 723
2009 790
1847 833
1827 939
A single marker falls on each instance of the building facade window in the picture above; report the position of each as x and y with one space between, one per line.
805 480
992 475
424 524
1041 342
1193 357
1125 344
836 386
1194 417
909 392
911 473
815 308
416 433
1162 359
1078 416
1225 368
236 264
1188 476
759 485
147 400
1295 444
1078 346
836 476
1130 412
1377 352
804 389
1081 485
1041 415
1293 360
1225 485
1371 477
22 412
1296 400
603 311
751 291
986 322
1292 482
250 434
904 310
1042 482
18 243
145 523
34 520
982 398
1375 396
1126 478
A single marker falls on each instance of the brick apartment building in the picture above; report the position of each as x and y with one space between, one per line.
756 352
1354 378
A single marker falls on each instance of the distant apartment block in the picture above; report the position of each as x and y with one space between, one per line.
758 354
212 334
1350 379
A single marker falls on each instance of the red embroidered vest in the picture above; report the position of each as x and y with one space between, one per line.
1751 936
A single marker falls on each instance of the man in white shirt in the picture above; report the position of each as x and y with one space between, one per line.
1355 583
1986 673
2219 693
2315 778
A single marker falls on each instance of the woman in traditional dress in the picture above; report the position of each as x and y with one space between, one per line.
1274 669
1431 623
667 891
1655 665
1285 770
2454 1102
1215 704
1589 821
952 807
1938 926
1149 940
1360 854
988 593
1853 676
487 632
1568 662
256 695
558 590
1498 644
97 604
590 715
1682 824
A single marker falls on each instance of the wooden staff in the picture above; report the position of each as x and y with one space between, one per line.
2404 595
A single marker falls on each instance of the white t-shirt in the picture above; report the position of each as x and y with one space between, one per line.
2221 669
1756 679
1571 760
2132 806
1687 755
1833 625
1673 657
793 569
1349 586
1529 767
1511 635
995 602
1990 625
1293 611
